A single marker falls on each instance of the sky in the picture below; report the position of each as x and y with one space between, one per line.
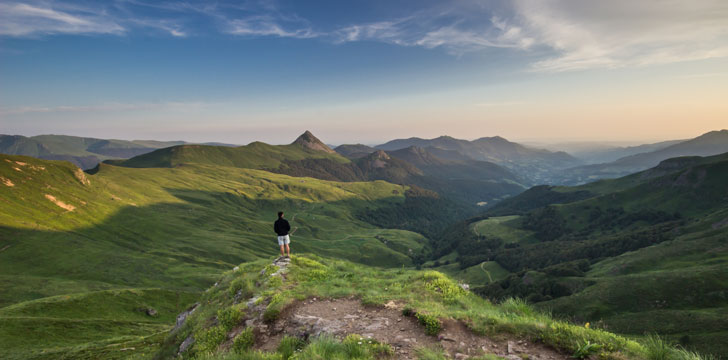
364 71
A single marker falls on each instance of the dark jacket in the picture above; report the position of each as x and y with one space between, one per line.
282 227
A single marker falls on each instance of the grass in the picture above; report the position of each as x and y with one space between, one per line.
505 228
170 229
429 295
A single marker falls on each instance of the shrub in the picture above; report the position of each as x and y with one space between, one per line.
432 324
440 284
229 317
244 341
207 340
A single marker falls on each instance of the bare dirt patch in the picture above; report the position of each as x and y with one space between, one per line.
60 203
80 176
7 182
21 163
340 317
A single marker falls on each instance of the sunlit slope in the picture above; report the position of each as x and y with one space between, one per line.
256 155
172 227
167 231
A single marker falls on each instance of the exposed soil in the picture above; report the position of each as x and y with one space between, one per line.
7 182
386 324
340 317
60 203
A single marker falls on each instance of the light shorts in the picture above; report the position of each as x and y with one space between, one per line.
284 240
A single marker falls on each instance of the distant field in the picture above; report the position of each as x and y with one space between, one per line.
500 227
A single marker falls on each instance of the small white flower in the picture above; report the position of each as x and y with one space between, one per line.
359 342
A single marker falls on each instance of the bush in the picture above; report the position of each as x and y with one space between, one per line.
432 324
207 340
229 317
244 341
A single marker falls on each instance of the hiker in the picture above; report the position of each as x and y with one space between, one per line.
282 227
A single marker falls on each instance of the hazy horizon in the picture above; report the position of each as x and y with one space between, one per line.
364 71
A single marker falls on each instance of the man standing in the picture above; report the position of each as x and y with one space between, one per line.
282 227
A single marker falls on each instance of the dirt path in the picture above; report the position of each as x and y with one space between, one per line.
340 317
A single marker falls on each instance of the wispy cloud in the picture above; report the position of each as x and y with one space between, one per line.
458 30
618 33
267 25
106 107
24 19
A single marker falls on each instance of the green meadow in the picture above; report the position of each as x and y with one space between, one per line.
157 237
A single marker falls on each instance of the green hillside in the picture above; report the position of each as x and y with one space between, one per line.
312 307
159 231
643 253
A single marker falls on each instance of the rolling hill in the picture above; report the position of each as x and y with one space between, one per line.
84 257
711 143
467 182
84 152
612 252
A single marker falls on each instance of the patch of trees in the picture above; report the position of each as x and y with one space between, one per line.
547 222
542 255
537 197
423 211
533 286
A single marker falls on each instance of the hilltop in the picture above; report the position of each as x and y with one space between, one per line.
310 307
467 182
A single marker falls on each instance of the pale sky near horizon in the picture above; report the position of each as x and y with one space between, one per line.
364 71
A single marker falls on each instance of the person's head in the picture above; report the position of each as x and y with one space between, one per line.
280 214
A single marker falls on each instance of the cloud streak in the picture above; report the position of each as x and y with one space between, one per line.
619 33
23 19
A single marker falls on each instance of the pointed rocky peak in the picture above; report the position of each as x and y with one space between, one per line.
309 141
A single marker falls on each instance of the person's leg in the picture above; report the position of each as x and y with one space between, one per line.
282 253
288 250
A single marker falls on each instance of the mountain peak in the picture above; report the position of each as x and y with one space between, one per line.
309 141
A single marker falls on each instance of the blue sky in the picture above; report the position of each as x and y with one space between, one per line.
364 71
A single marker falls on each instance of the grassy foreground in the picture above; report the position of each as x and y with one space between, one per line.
430 295
83 256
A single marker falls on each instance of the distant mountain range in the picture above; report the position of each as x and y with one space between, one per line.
467 181
711 143
534 165
84 152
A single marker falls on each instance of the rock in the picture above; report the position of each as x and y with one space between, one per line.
236 268
238 296
186 345
183 316
465 287
151 312
461 356
462 343
252 301
509 349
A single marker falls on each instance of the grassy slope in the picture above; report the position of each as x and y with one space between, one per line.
430 294
163 228
256 155
677 288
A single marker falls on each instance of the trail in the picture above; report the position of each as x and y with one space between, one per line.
490 279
